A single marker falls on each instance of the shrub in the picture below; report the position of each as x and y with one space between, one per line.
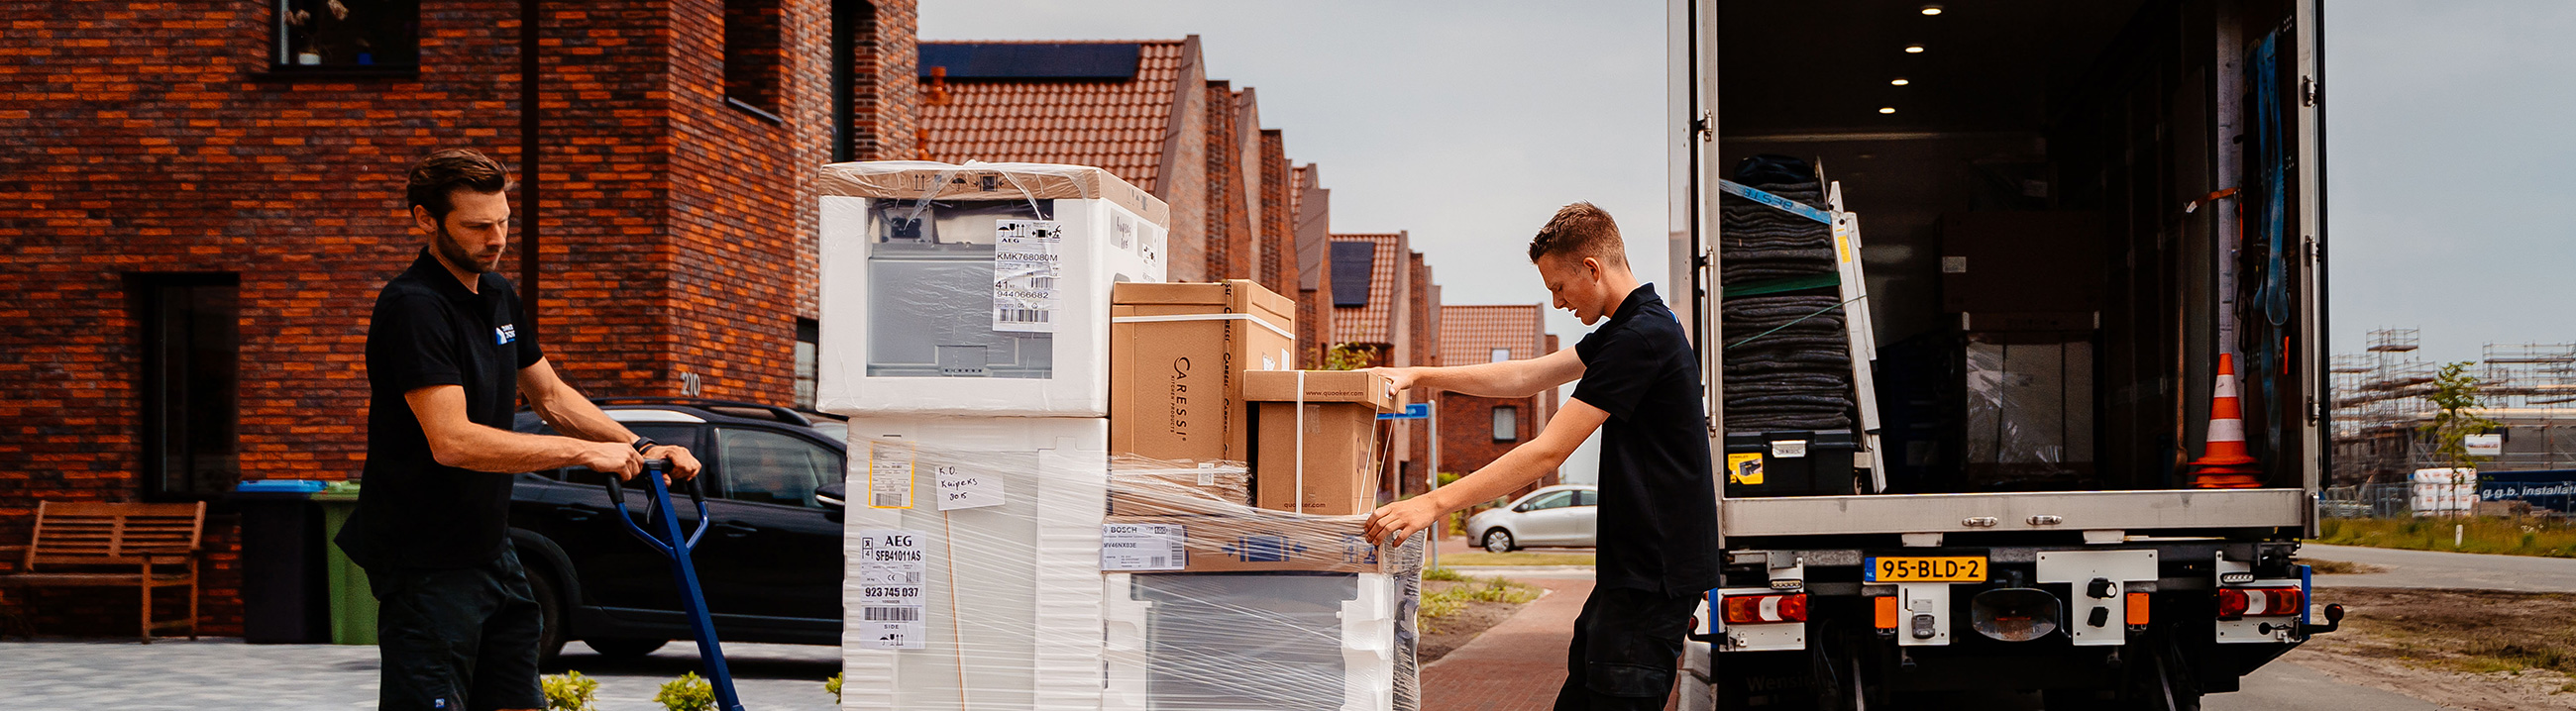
569 691
833 685
690 692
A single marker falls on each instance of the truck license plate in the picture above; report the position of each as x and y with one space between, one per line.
1966 569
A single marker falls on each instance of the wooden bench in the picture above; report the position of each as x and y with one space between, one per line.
116 545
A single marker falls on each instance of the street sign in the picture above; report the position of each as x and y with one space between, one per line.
1415 411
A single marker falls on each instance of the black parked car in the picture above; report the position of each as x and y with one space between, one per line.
770 561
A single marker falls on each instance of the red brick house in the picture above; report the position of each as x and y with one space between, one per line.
1476 430
1386 312
201 201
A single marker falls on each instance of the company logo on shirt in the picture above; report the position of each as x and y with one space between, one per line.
505 334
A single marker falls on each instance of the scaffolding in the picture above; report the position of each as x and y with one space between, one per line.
2382 400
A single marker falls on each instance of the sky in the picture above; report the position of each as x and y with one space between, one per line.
1468 124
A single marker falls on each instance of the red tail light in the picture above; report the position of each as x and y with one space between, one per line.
1758 609
2260 602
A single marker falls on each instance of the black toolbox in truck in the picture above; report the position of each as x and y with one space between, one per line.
1791 463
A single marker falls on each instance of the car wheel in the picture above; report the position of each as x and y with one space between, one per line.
1498 541
625 648
550 638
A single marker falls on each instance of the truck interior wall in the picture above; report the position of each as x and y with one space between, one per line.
2116 115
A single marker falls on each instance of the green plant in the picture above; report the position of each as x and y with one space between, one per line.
2455 398
569 691
690 692
1444 573
833 685
1349 356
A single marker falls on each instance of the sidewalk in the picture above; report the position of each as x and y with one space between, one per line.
221 673
1515 666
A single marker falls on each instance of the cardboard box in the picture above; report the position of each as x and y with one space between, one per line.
1207 488
1331 469
1245 541
1177 353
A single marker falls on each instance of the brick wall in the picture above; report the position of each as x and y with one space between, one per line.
1314 240
1278 221
1467 431
149 137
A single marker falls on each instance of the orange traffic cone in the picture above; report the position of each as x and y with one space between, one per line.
2224 463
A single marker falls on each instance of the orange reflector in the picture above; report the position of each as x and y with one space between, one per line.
2137 608
1886 612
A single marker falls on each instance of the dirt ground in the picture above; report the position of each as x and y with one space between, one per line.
2464 649
1447 633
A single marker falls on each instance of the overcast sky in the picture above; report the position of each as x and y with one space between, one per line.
1469 123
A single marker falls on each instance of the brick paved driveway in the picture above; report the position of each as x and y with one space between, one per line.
226 674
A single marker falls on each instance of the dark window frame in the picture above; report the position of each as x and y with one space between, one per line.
148 301
284 61
755 54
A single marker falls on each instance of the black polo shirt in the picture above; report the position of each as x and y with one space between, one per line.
429 330
1658 518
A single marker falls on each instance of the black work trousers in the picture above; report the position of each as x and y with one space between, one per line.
1626 647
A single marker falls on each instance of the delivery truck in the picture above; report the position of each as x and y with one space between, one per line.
2079 252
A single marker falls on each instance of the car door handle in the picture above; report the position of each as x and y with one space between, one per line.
575 513
732 529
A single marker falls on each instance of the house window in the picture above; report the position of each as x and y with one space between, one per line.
751 58
808 333
1502 354
1507 423
348 34
191 338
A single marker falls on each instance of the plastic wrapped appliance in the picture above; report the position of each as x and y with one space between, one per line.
980 289
973 554
1260 642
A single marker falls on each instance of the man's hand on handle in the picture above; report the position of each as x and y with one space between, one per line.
623 461
1401 519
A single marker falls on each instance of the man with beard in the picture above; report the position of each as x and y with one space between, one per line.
458 627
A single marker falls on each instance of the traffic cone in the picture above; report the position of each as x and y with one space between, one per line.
2223 464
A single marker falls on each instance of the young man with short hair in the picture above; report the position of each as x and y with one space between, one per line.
458 627
1658 518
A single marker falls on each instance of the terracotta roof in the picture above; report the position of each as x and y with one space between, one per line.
1375 322
1117 125
1469 334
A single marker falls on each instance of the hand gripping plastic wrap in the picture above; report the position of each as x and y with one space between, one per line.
980 289
1053 580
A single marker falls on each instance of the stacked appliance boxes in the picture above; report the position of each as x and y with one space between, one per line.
1049 502
965 330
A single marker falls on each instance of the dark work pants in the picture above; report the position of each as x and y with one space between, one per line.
1626 647
458 639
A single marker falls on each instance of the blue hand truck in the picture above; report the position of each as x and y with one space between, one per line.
677 548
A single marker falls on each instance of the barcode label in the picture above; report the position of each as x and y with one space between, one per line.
1141 547
889 476
890 614
1025 269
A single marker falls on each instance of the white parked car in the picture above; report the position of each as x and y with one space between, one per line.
1561 515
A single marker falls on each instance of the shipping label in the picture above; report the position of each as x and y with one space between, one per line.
1142 547
1025 268
892 563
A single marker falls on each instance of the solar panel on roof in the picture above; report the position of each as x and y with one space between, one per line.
1352 262
1013 60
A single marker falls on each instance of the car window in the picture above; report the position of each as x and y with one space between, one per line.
673 433
1551 500
767 467
835 429
1587 497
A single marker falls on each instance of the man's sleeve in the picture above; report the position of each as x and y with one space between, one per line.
410 335
529 353
1617 371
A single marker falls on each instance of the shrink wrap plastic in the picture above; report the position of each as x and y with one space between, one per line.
1007 585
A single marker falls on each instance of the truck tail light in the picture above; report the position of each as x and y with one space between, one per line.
1887 614
2138 609
1758 609
2234 603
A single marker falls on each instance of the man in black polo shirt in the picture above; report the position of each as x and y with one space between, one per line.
447 361
1658 519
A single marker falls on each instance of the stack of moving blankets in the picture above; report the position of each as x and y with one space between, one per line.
1788 360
